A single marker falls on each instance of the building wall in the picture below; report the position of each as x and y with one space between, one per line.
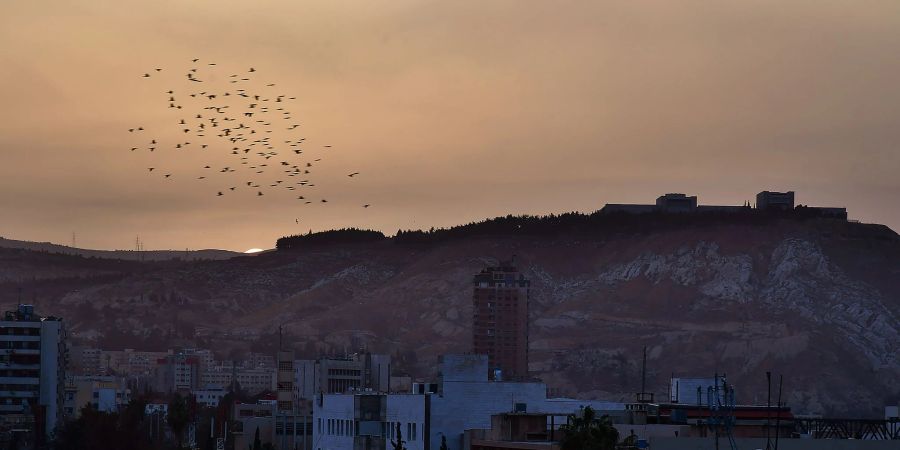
500 319
52 371
339 424
673 443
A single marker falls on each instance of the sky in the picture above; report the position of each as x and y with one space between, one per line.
451 111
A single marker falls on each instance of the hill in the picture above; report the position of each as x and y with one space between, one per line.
815 299
126 255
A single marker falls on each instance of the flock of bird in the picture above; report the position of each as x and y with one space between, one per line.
237 121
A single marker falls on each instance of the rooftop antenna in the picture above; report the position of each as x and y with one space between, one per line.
280 336
644 396
644 372
73 239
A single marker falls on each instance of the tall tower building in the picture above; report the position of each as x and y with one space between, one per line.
32 368
500 320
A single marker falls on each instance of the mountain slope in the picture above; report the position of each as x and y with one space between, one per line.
817 300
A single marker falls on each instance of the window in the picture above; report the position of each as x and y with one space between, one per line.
413 431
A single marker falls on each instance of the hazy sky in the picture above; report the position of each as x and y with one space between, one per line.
451 110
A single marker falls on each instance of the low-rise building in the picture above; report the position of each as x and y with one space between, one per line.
209 397
103 393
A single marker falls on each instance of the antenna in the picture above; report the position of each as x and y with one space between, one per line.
73 239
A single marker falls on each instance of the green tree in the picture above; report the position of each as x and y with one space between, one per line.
588 432
178 417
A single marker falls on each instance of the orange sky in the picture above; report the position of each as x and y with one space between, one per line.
451 110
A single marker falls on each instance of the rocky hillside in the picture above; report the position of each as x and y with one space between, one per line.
817 300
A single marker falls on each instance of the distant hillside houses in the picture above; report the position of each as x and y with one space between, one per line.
766 202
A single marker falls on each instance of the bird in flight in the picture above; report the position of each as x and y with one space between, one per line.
366 206
353 174
151 169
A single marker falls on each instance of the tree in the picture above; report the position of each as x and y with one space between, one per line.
178 417
444 443
589 432
398 445
257 444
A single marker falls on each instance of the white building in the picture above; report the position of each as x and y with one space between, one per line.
369 421
209 397
359 371
465 400
32 365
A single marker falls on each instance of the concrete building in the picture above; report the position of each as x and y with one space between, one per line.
209 397
676 203
370 421
500 320
177 373
464 400
332 375
104 393
519 431
256 380
766 201
84 360
32 367
775 201
284 382
283 432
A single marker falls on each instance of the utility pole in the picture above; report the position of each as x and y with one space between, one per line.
778 418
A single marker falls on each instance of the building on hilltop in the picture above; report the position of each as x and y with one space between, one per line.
676 203
33 364
500 320
775 201
766 202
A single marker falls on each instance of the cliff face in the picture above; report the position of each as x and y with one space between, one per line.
818 301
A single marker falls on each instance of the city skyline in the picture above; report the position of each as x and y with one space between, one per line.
451 112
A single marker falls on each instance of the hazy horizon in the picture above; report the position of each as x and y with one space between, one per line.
450 111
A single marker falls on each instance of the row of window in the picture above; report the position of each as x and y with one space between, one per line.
345 372
346 427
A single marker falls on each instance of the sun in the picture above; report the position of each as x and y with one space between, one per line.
254 250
